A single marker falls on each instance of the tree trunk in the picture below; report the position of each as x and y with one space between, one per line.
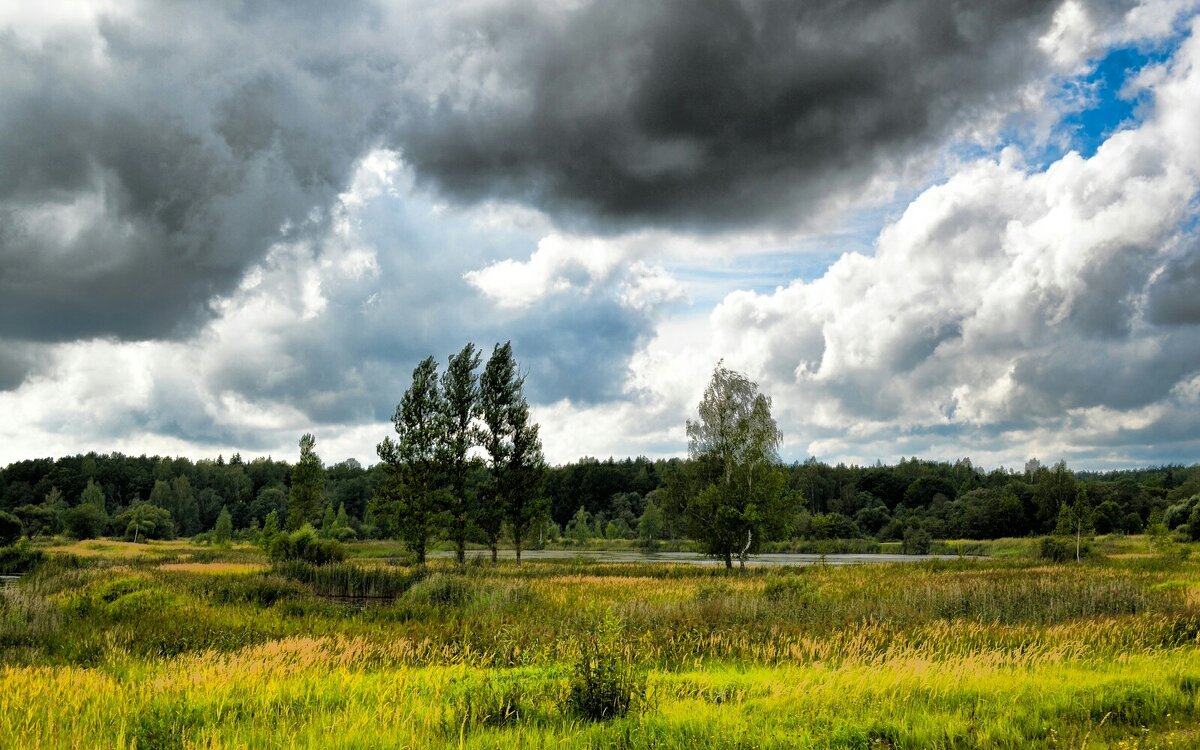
495 554
728 560
517 547
1078 534
460 548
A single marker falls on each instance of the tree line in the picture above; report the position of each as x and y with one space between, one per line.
465 465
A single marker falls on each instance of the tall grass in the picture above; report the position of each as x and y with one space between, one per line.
123 652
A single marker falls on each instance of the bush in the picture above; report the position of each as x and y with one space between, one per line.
305 545
10 529
85 521
604 684
916 541
442 591
1061 549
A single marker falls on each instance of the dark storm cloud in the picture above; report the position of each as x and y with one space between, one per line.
717 112
1174 296
142 176
135 187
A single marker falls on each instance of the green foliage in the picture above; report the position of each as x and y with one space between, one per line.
308 485
460 407
652 523
832 526
580 527
736 498
349 581
270 530
304 544
144 521
917 541
11 529
223 530
786 589
441 591
85 521
19 559
514 451
409 495
604 684
1061 549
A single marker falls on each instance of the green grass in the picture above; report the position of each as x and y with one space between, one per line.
118 649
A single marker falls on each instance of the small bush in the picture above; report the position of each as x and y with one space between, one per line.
1061 549
916 541
305 545
604 684
442 591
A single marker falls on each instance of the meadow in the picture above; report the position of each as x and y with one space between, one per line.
171 645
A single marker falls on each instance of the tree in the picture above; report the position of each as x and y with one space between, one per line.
223 531
84 521
514 450
1055 488
736 496
184 506
1076 519
270 530
144 521
651 524
307 496
460 404
1157 533
409 492
10 529
579 527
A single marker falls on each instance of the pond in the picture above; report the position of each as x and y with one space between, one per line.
692 558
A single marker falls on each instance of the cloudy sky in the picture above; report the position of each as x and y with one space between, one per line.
925 228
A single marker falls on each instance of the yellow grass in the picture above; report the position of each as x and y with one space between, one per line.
214 568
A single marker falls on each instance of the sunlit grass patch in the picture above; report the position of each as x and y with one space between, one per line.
214 568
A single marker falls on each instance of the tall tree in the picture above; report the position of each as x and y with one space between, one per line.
514 451
460 390
307 496
409 492
736 498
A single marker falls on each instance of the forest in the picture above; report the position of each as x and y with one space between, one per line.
949 500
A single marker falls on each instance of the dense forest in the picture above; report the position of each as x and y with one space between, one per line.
609 496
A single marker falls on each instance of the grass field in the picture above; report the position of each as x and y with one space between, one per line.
173 646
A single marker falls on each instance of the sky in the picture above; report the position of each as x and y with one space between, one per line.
923 228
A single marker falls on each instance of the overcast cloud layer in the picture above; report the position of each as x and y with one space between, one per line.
222 226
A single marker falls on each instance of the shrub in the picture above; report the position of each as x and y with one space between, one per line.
305 545
916 541
442 591
1060 549
604 684
85 521
10 529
